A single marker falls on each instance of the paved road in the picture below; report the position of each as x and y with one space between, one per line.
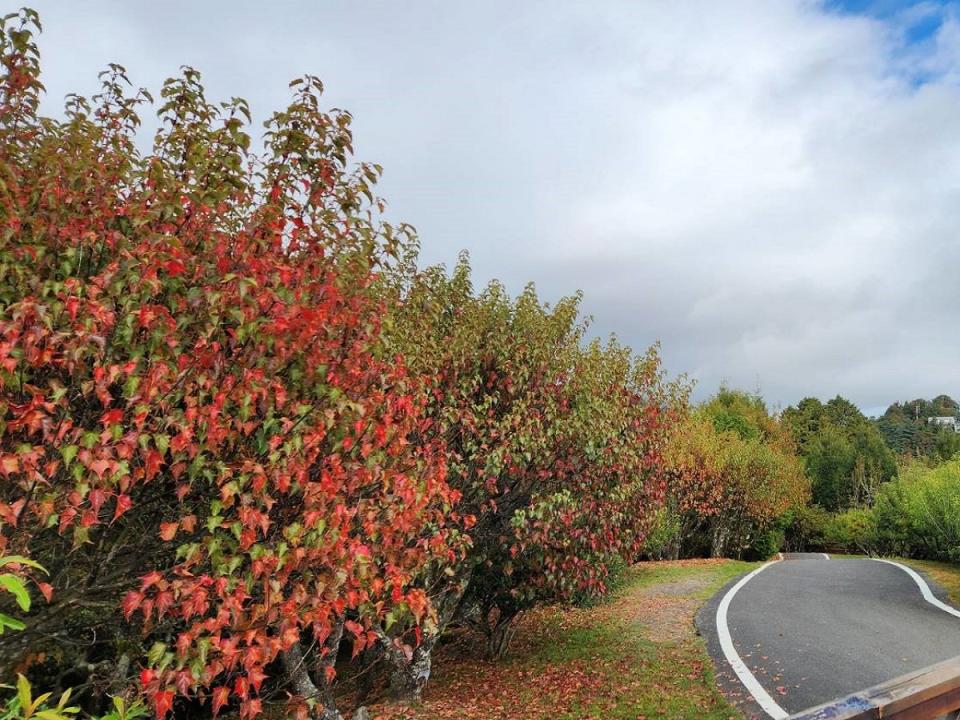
810 629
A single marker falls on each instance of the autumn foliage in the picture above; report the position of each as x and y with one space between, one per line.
196 326
553 445
733 473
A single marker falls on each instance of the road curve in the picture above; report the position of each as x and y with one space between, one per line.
809 629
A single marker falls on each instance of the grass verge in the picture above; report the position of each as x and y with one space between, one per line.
946 575
635 656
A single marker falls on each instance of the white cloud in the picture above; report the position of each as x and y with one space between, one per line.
762 185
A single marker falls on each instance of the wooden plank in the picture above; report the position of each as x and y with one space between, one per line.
921 695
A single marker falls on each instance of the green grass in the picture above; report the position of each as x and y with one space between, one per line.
718 575
669 679
634 655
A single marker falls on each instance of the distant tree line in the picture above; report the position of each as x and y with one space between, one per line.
878 486
907 430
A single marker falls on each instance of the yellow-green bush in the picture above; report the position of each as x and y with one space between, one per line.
851 531
918 514
915 515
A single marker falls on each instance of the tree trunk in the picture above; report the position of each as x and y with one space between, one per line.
299 678
325 660
719 541
673 552
409 676
500 634
370 671
118 678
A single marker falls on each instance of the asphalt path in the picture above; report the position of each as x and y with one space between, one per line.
808 629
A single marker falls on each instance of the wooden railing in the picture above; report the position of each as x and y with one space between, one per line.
933 692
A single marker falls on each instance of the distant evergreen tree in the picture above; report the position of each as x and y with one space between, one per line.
844 455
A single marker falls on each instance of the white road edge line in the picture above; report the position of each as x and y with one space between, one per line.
924 588
730 653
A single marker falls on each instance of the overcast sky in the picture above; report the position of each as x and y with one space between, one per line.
768 187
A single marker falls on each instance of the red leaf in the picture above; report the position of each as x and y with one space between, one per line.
150 579
355 628
256 678
111 417
9 464
174 268
72 304
240 686
96 498
153 464
124 503
162 703
131 601
220 695
168 530
247 538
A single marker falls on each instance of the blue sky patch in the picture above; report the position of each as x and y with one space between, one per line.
920 18
914 25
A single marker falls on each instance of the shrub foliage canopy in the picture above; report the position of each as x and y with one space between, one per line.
239 427
191 337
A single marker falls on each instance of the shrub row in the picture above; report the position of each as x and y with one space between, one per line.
239 429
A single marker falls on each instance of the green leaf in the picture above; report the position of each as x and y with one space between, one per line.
23 692
69 452
41 700
52 714
8 622
156 653
10 559
13 584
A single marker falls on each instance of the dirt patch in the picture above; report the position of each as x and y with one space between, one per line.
666 611
670 623
685 586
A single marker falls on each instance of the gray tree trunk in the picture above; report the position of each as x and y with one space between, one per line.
500 635
408 677
295 665
719 541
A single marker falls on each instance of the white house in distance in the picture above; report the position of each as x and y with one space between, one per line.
950 422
